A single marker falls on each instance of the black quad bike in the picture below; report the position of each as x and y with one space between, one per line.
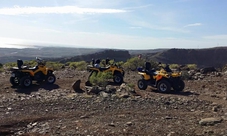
164 80
117 72
23 75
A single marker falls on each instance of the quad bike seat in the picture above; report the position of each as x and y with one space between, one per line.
33 68
17 68
150 71
20 65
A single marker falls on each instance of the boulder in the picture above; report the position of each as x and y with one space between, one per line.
93 90
76 86
210 121
207 70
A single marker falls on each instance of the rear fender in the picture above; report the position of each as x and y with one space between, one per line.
48 71
118 72
145 76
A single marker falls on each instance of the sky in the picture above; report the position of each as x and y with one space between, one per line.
116 24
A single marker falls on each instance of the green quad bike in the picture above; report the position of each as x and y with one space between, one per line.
164 80
116 71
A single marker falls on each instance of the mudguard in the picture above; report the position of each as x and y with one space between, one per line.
145 76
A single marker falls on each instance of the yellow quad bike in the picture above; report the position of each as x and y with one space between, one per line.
23 76
117 72
164 80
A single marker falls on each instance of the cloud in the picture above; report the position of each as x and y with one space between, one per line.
182 1
191 25
16 10
114 41
144 24
220 37
6 42
139 7
135 27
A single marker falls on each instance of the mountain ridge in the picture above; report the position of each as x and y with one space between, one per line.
216 56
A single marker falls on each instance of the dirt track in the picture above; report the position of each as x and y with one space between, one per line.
58 110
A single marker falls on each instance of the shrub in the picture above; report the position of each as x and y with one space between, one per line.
72 65
31 63
54 65
100 78
224 68
10 65
192 66
133 63
120 63
185 75
68 63
131 85
173 66
81 65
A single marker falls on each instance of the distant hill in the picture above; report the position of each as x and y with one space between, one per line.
136 52
12 54
117 55
202 57
63 53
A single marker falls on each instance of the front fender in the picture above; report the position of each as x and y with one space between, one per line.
176 74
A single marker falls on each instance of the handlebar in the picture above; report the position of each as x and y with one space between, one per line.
40 61
37 58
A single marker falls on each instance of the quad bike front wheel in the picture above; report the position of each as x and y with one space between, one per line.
142 84
179 86
118 79
164 86
50 79
14 81
26 81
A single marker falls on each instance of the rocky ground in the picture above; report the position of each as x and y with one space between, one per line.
201 109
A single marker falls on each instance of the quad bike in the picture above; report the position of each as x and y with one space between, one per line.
117 72
163 80
23 76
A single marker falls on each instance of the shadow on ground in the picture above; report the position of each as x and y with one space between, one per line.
35 88
183 93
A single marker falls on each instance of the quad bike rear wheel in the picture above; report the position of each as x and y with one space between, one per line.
164 86
26 81
118 78
179 86
14 81
50 79
142 84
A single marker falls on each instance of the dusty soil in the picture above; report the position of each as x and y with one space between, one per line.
201 109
